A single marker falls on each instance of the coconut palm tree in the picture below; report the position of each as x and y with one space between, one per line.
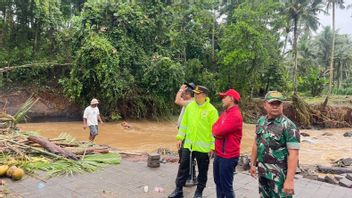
332 4
343 59
302 16
323 43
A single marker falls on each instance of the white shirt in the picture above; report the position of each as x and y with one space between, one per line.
182 112
91 114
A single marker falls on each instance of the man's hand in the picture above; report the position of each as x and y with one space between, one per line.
218 137
253 171
183 87
211 154
84 126
179 144
288 188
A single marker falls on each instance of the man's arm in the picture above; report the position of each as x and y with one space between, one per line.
84 123
178 99
213 117
99 118
253 169
293 145
291 170
231 123
85 115
182 130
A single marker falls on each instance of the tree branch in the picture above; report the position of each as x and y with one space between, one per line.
9 68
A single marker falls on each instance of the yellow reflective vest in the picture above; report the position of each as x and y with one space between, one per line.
196 125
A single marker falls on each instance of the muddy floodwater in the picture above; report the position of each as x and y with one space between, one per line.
148 136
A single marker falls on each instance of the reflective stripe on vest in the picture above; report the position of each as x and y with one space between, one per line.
200 144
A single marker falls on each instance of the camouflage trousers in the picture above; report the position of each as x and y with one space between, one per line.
272 188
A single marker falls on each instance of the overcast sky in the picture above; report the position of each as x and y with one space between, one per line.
343 20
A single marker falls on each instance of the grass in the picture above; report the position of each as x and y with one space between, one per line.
335 100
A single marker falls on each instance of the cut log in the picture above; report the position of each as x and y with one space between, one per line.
333 170
89 150
53 148
62 144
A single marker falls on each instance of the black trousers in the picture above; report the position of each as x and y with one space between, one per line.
183 169
193 165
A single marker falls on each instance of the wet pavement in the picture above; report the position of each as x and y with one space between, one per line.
130 178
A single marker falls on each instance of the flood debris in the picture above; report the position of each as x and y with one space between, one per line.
52 147
343 162
306 115
305 134
327 134
30 151
153 160
348 134
332 175
125 125
158 189
333 170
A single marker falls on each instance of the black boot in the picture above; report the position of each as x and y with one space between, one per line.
178 193
198 193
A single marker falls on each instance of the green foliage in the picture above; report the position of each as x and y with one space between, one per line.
312 81
250 48
163 77
197 73
96 73
343 91
133 55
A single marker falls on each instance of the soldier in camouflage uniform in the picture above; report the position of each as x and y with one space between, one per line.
275 150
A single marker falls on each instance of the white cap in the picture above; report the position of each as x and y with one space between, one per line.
94 101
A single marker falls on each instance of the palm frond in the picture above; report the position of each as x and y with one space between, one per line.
68 137
70 167
22 112
30 133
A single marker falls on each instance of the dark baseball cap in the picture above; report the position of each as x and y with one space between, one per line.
190 85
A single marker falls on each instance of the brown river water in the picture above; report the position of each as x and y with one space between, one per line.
148 136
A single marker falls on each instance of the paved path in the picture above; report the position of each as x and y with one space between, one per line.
129 178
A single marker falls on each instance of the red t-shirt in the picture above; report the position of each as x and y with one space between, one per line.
228 133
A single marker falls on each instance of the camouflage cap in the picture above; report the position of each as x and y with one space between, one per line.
272 96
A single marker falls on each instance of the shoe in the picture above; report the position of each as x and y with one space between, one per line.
198 194
178 193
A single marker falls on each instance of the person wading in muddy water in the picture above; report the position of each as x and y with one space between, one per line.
91 116
275 150
228 134
183 97
195 131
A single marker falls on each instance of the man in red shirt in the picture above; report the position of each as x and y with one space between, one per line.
228 134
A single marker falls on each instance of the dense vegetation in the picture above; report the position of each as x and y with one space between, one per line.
133 54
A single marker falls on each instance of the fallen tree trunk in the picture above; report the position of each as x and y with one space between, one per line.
45 143
89 150
333 170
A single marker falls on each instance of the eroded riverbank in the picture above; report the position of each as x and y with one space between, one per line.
147 136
